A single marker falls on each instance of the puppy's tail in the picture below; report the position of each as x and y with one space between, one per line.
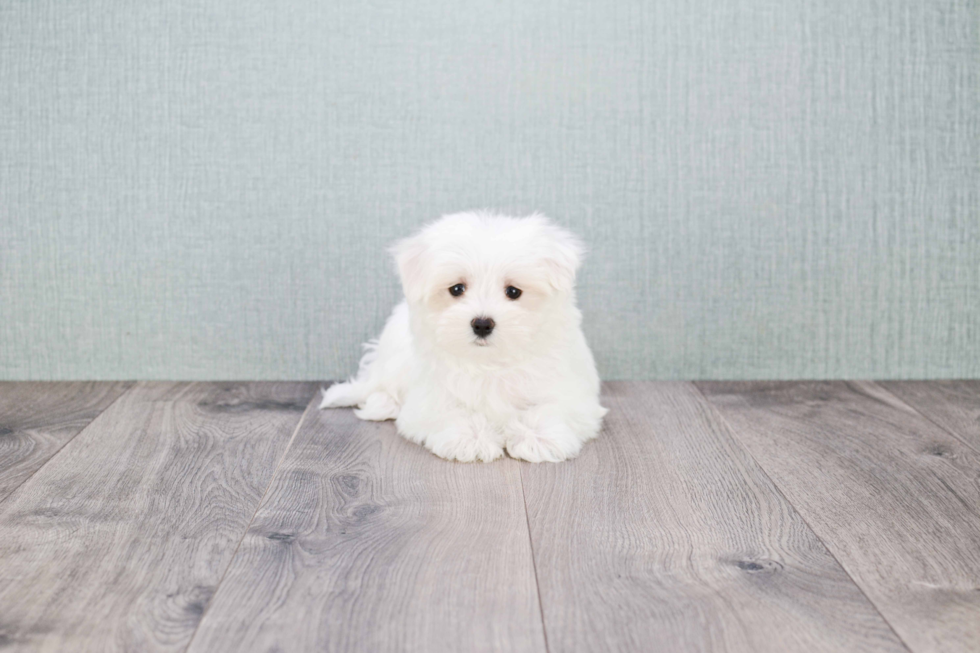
356 391
375 406
376 386
342 394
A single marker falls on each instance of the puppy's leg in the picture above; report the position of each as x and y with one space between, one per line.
378 407
543 434
466 438
450 432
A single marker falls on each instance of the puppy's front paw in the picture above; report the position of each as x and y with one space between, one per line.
553 446
466 441
468 450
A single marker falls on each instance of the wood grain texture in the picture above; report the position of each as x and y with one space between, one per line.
369 543
37 419
894 497
665 535
953 405
119 541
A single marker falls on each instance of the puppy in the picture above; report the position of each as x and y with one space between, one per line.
486 353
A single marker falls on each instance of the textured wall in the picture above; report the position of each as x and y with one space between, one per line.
771 188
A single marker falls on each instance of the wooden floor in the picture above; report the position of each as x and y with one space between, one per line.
840 516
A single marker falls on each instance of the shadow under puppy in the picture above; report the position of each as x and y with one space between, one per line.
486 353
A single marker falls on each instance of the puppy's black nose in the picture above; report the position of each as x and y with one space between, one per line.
482 326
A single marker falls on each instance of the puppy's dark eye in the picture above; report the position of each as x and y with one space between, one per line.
513 293
457 290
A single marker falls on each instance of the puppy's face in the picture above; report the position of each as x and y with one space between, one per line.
487 288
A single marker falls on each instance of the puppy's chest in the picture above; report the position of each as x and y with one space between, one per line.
498 394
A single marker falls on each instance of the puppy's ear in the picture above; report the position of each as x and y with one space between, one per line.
561 257
410 257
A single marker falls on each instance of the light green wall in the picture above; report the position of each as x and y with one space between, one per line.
771 188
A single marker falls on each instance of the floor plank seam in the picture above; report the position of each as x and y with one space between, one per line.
918 412
313 401
69 440
534 561
737 441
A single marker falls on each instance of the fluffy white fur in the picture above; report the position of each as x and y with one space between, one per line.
529 388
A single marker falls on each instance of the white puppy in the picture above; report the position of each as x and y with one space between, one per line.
486 353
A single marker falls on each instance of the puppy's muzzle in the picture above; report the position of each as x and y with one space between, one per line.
482 326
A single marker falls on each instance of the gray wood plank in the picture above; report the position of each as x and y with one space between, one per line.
37 419
120 540
894 497
369 543
665 535
953 405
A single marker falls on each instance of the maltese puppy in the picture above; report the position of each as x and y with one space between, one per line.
486 353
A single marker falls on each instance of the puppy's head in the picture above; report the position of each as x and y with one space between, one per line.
488 287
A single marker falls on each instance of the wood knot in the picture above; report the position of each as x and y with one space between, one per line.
939 450
758 566
198 600
363 512
349 483
237 407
